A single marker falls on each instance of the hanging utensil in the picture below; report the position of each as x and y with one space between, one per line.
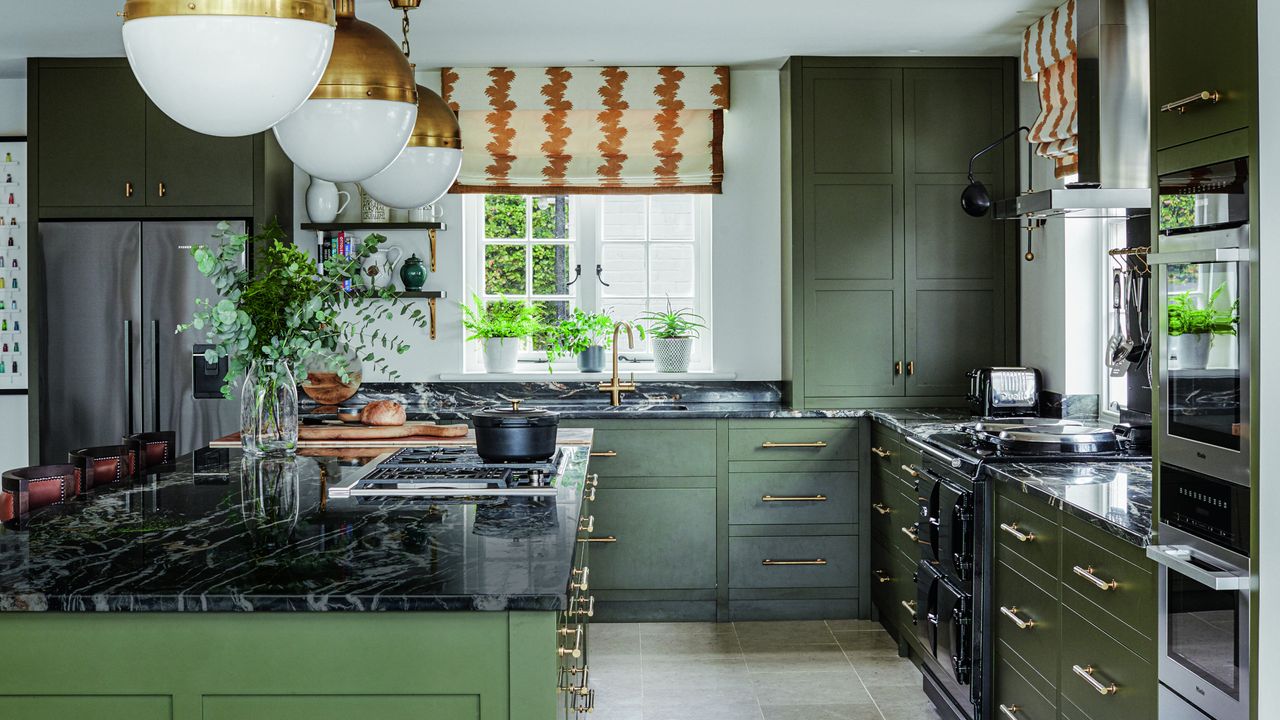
1117 338
1120 343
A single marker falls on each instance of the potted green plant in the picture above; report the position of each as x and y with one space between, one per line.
1191 329
673 334
502 325
584 334
283 316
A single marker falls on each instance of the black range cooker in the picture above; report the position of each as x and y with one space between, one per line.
954 530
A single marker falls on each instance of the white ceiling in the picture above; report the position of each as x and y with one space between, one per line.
758 33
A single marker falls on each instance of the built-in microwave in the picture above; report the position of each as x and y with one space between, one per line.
1202 278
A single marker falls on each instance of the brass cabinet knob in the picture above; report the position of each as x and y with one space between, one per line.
161 190
897 367
128 189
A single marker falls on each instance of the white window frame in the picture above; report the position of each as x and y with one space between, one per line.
586 223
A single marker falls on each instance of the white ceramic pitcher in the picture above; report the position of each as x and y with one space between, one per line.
323 201
379 268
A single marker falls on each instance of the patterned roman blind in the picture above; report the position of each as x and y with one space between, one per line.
1049 59
590 129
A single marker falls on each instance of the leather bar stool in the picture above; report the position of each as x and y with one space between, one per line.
25 489
102 465
153 451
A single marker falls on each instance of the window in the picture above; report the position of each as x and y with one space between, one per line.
620 254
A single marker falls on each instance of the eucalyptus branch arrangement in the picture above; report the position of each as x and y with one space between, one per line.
285 312
578 332
1187 319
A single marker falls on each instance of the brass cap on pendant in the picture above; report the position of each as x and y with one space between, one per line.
437 126
366 64
320 11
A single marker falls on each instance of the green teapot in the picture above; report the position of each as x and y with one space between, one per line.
413 274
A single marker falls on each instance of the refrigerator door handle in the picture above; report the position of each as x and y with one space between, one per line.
128 375
155 372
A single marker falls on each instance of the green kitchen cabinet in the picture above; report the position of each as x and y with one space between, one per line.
90 135
665 538
186 168
1179 28
890 292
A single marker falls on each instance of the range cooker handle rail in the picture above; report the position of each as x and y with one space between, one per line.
1207 571
929 449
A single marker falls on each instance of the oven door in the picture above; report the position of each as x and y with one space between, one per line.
1204 629
955 531
1203 298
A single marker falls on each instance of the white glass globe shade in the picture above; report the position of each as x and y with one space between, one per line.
343 140
227 75
421 175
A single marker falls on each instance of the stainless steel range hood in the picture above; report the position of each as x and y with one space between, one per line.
1114 119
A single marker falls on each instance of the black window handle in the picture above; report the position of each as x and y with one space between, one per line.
600 269
577 273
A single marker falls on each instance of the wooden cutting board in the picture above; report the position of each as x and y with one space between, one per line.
408 435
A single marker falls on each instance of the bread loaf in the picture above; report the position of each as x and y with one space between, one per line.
383 413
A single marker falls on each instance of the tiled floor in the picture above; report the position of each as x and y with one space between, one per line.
832 670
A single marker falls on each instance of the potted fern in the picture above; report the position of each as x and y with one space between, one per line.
502 326
673 334
1191 329
584 334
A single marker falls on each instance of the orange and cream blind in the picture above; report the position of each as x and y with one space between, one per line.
590 129
1049 59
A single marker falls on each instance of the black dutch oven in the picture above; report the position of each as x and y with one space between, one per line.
514 434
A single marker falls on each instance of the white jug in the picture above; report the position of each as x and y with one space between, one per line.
322 201
379 268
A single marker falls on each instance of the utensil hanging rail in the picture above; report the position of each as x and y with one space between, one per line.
1137 252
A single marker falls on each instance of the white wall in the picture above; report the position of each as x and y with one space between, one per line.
1268 560
13 408
746 246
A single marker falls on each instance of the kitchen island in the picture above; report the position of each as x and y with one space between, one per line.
233 588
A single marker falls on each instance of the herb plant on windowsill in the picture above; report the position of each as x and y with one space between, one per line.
1192 329
502 326
673 334
584 334
284 315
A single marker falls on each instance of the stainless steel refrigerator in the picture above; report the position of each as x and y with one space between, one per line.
113 294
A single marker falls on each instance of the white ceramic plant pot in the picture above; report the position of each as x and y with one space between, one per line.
500 354
1192 350
672 355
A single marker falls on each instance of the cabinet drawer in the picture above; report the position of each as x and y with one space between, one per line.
1016 697
891 510
1033 535
892 582
1034 642
1133 679
792 498
664 538
793 562
794 443
1124 586
674 452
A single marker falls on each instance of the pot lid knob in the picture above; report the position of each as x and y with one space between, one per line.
515 405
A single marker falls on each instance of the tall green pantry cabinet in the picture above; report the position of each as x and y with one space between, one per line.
890 292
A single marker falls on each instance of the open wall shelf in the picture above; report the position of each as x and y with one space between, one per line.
431 228
431 296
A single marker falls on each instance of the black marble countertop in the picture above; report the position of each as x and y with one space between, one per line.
222 532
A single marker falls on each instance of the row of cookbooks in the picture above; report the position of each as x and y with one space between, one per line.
333 245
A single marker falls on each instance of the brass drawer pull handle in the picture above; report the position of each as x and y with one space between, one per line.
770 444
911 534
591 495
793 498
576 650
1013 530
566 680
605 539
1010 711
815 561
911 470
588 525
1087 574
585 574
593 480
584 701
1086 673
882 509
1210 96
1012 614
881 452
910 605
589 611
882 576
604 453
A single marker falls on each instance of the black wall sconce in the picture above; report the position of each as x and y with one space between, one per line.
976 199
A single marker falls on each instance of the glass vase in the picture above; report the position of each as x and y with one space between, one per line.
269 410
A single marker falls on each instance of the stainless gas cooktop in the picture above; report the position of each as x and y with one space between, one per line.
452 472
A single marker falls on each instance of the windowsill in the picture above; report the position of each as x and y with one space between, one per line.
541 375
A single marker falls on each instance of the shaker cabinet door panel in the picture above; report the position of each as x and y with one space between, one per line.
195 169
852 343
855 232
666 539
853 120
92 133
951 331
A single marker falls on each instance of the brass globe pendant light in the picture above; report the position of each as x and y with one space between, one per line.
360 116
228 67
429 165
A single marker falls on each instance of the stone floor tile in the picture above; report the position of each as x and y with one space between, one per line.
785 632
815 688
796 658
820 712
